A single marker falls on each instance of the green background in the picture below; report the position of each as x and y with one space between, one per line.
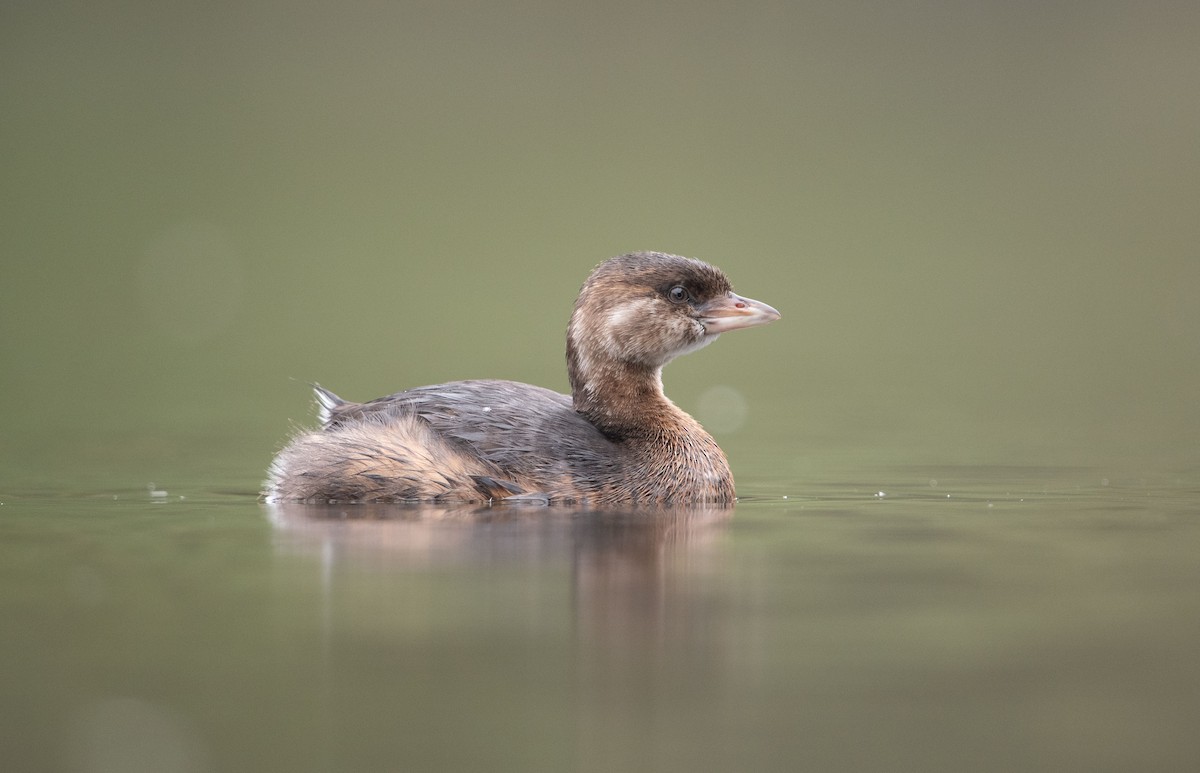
978 219
967 451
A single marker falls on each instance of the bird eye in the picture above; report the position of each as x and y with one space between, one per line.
678 294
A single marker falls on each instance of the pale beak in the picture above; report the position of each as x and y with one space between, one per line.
733 312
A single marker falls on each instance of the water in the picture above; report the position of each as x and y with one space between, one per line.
968 450
1001 619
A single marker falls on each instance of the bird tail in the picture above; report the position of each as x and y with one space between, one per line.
327 404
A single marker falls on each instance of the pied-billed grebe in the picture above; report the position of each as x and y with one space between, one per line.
616 439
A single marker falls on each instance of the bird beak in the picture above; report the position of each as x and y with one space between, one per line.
733 312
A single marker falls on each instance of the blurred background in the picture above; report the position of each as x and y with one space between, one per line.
978 219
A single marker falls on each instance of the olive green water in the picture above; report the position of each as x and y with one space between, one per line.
968 451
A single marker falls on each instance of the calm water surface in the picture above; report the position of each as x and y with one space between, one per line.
980 226
990 619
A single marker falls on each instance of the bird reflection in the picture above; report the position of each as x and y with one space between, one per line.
619 559
640 613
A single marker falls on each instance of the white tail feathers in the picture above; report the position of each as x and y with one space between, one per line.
327 403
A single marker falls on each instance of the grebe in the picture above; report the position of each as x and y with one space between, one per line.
616 439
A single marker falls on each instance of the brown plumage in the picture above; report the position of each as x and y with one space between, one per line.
616 439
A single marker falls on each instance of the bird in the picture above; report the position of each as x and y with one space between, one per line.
615 440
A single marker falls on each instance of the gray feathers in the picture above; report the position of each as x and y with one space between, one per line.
617 439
